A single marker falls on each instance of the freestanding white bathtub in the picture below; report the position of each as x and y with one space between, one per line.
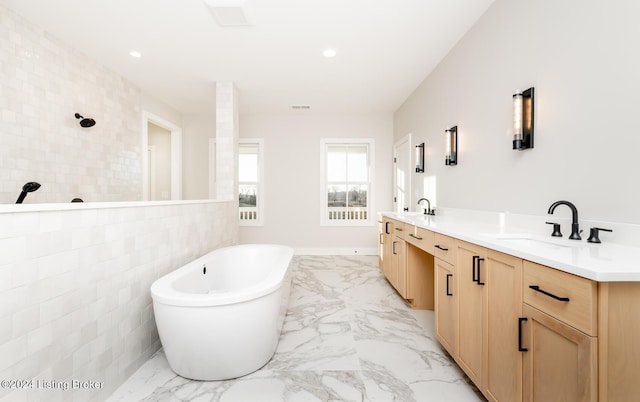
220 316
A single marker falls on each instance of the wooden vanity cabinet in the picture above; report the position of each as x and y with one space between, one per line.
618 341
405 264
489 308
503 310
444 248
420 238
471 304
521 331
394 260
560 363
380 243
387 244
446 305
398 272
559 332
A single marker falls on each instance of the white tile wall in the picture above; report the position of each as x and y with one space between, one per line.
74 284
74 289
43 83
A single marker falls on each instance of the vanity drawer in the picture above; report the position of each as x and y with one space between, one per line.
419 237
567 297
399 229
444 248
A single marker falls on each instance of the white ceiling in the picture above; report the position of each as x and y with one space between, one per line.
385 48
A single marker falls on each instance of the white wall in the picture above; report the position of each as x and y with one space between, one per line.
581 57
292 177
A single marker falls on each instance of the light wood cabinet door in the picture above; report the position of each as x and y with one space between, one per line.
503 284
380 244
446 305
471 305
399 270
560 364
387 253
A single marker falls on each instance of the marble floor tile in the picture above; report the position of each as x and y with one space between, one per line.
347 336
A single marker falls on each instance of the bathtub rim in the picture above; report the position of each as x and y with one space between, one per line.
162 291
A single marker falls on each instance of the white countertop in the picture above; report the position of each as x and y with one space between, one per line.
530 239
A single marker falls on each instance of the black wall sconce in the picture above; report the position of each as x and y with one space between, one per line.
523 120
420 158
451 146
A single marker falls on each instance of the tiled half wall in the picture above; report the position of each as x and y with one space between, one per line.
74 289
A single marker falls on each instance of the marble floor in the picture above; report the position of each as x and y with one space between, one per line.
347 336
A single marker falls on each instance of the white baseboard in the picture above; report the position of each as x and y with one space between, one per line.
336 251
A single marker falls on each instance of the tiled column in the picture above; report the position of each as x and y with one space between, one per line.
227 134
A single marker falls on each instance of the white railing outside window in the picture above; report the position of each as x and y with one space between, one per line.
343 213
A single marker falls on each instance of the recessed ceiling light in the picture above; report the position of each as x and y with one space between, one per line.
135 53
329 53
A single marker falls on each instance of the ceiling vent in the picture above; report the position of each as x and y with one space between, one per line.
300 107
229 13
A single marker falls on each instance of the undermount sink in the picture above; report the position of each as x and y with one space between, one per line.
407 213
529 240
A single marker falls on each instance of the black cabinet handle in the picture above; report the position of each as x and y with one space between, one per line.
386 227
448 292
399 229
478 281
475 269
393 247
441 248
520 321
544 292
415 237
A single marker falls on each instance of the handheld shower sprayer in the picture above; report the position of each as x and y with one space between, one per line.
84 122
27 188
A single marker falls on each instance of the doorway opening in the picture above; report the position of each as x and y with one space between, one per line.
402 174
161 159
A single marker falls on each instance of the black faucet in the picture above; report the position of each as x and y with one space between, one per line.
428 210
575 229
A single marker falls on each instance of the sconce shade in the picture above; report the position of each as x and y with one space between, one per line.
420 158
523 120
451 146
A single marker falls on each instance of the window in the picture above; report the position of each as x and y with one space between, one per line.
347 177
250 182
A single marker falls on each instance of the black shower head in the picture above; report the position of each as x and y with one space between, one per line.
85 122
27 188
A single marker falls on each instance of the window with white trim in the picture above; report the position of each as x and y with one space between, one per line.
250 181
347 182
